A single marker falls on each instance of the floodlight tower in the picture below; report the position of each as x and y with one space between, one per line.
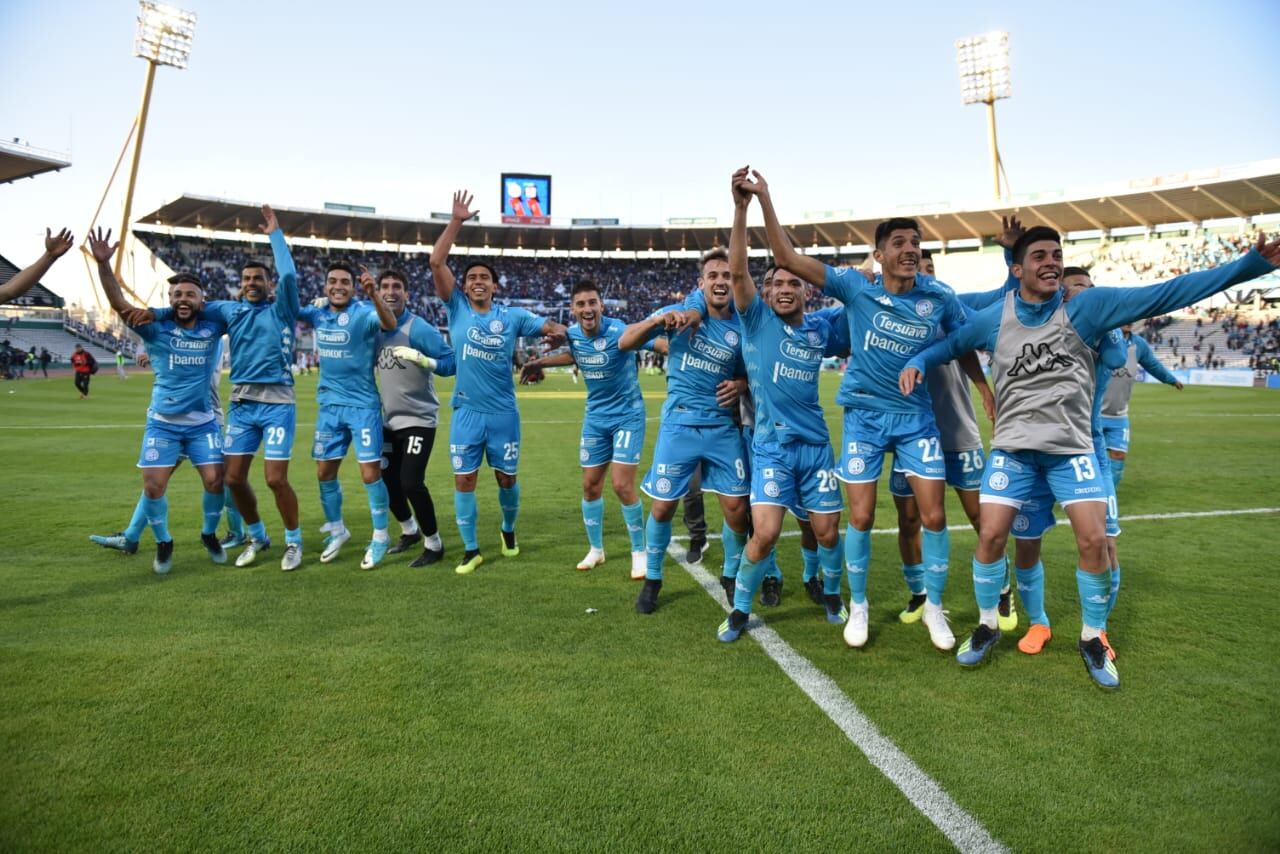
984 79
164 38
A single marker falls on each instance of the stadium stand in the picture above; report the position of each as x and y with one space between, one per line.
59 339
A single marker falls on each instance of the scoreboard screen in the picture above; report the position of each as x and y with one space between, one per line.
526 199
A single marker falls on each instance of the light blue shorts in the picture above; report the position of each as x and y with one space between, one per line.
682 449
338 427
494 436
797 476
163 444
620 441
870 434
249 422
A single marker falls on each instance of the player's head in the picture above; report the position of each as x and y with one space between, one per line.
1037 261
393 287
898 247
255 281
787 293
78 348
339 283
713 278
1074 280
479 281
587 308
926 262
766 286
186 296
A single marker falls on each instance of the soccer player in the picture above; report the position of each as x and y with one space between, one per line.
697 430
409 358
55 246
485 421
890 320
1115 404
347 333
262 397
613 425
791 462
1044 354
180 420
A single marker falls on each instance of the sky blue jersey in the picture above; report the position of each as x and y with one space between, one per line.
1095 311
484 345
782 365
1112 354
613 387
1148 359
886 330
347 343
697 362
838 340
183 361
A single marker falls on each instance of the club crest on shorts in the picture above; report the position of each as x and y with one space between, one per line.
663 486
771 489
1021 523
151 455
319 448
999 480
857 466
584 454
457 461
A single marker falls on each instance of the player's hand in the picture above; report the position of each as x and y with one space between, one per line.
100 245
1010 230
680 320
1178 385
134 316
269 221
741 198
462 206
908 380
143 360
1269 251
554 334
368 283
728 392
320 302
413 357
56 245
531 372
758 187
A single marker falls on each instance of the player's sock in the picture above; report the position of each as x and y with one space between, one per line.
750 576
464 508
658 536
913 574
857 554
138 523
829 560
509 501
235 522
258 531
409 527
157 511
1031 590
211 503
433 542
733 543
293 536
811 565
988 578
1115 590
593 518
936 551
1117 471
772 569
633 515
331 502
378 501
1095 594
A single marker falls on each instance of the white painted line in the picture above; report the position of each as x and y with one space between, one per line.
965 832
1249 511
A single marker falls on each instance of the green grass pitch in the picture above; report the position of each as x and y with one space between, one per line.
330 708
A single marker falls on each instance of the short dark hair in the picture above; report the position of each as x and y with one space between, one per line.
189 278
719 253
889 226
1033 235
254 262
769 273
345 266
926 253
1074 271
493 274
393 273
582 286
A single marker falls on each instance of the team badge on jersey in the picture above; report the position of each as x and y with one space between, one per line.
600 343
815 340
924 307
731 338
205 332
344 319
495 326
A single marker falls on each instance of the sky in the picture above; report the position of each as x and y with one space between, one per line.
638 111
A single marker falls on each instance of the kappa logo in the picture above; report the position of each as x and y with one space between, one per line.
1037 359
771 489
1121 372
885 300
999 481
663 485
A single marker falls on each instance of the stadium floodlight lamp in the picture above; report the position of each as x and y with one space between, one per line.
984 79
164 34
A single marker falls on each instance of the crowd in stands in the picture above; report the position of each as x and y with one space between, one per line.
1138 261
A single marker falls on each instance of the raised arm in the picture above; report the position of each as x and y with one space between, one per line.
811 270
554 333
1096 310
386 319
744 290
637 334
286 272
55 246
440 272
1147 358
1011 230
101 248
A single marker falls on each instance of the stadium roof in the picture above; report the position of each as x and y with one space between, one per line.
23 161
38 296
1243 191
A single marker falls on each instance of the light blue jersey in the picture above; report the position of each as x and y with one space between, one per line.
886 330
697 363
613 388
485 344
347 343
782 366
183 361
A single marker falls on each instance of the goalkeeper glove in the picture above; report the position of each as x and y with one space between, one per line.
412 356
